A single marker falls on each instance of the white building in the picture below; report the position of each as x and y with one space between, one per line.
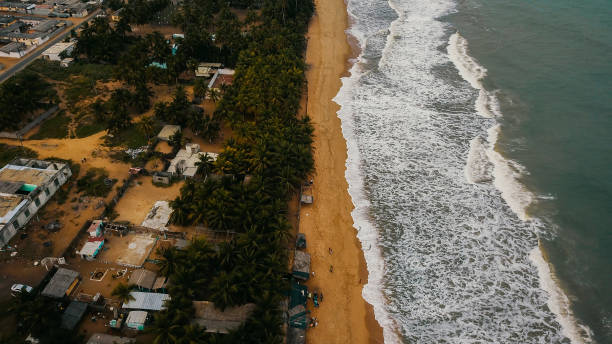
54 52
25 186
184 163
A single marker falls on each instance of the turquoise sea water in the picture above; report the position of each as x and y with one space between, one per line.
552 62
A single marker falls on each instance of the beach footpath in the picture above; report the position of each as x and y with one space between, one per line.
338 265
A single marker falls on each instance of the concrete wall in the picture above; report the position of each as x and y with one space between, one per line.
39 197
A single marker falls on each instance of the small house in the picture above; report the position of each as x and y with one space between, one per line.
73 314
301 265
63 283
160 177
143 279
167 131
136 320
186 160
92 248
54 53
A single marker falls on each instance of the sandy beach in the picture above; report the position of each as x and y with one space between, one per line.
343 316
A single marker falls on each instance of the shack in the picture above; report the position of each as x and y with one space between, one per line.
301 265
161 177
91 248
136 320
143 279
167 131
61 284
218 321
73 314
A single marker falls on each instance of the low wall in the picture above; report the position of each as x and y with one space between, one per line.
19 133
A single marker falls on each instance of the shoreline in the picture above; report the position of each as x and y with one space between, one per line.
344 316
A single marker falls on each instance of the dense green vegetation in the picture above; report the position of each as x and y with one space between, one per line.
8 153
95 183
272 146
55 127
20 95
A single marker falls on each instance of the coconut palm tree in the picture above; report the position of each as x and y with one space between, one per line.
146 126
123 292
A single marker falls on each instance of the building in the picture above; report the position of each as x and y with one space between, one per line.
136 320
301 265
207 69
162 177
73 314
221 78
31 30
221 321
103 338
63 283
185 161
25 186
19 7
91 248
116 16
143 279
14 50
167 131
54 53
147 301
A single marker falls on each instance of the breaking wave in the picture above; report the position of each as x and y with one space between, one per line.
440 213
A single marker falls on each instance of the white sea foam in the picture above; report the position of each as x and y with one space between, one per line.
506 175
478 167
366 231
558 301
448 260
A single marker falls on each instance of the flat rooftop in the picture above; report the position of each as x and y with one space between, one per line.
12 173
8 203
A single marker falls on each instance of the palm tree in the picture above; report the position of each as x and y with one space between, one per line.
169 262
123 292
163 328
146 126
205 164
213 94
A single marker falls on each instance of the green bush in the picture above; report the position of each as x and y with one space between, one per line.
88 129
95 183
53 128
8 153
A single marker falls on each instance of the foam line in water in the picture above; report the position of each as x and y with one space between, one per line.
558 302
505 178
471 71
367 233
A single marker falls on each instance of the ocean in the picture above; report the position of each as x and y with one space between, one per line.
479 164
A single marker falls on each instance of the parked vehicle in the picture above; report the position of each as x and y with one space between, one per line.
17 289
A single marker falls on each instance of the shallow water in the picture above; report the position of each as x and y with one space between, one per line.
442 197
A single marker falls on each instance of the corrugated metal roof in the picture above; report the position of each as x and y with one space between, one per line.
59 283
73 314
147 301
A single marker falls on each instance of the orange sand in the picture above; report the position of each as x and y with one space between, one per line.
140 198
344 316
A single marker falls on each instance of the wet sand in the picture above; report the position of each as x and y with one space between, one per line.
344 316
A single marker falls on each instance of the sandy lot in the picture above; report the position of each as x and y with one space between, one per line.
344 316
131 249
139 198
